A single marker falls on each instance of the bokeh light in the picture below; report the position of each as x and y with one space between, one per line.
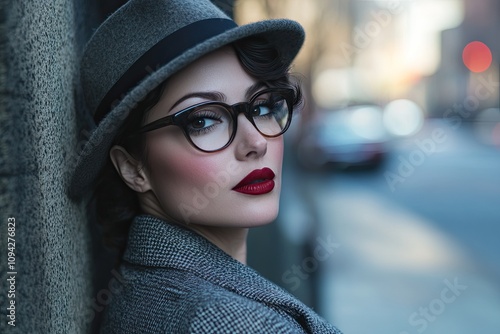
367 122
403 117
331 86
477 56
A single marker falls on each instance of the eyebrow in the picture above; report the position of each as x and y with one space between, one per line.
218 96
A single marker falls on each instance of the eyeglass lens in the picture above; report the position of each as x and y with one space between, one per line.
211 126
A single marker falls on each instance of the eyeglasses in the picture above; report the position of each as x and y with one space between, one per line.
211 126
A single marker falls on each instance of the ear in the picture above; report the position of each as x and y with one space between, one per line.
130 170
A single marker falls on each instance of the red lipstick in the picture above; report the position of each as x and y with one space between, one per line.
258 182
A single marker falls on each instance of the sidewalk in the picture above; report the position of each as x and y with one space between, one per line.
396 274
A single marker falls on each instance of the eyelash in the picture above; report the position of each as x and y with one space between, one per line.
202 114
268 103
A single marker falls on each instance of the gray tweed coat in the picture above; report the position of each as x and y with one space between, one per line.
175 281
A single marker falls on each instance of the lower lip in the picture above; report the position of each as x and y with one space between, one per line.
257 188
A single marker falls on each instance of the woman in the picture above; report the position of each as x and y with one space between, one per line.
190 111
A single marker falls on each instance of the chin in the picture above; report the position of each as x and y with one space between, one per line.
255 218
260 213
237 210
250 216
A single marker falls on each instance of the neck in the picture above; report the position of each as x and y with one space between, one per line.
232 240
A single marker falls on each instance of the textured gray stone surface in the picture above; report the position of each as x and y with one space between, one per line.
40 43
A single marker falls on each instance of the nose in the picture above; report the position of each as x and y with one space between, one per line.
250 144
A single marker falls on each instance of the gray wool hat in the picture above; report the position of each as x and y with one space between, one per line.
141 45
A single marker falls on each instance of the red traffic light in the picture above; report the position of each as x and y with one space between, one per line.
477 56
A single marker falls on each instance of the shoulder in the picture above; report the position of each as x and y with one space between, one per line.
232 313
165 301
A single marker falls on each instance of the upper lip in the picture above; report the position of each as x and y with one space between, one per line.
256 175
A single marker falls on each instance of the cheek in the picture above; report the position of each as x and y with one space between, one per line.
275 150
176 170
182 166
176 167
171 158
280 146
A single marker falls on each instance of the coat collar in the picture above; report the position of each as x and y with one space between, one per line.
155 243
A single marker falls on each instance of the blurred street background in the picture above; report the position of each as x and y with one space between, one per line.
390 216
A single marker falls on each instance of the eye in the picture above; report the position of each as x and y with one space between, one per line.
203 122
208 119
262 108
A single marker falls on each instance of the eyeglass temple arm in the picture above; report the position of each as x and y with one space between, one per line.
160 123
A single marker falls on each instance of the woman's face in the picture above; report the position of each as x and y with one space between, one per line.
190 186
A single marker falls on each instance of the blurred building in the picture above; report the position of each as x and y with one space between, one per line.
454 87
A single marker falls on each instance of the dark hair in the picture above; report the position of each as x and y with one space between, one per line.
116 203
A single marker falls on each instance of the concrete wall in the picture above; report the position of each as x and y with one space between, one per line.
40 122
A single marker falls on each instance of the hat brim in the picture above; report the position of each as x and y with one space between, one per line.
287 36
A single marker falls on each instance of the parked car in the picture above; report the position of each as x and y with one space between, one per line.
347 137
